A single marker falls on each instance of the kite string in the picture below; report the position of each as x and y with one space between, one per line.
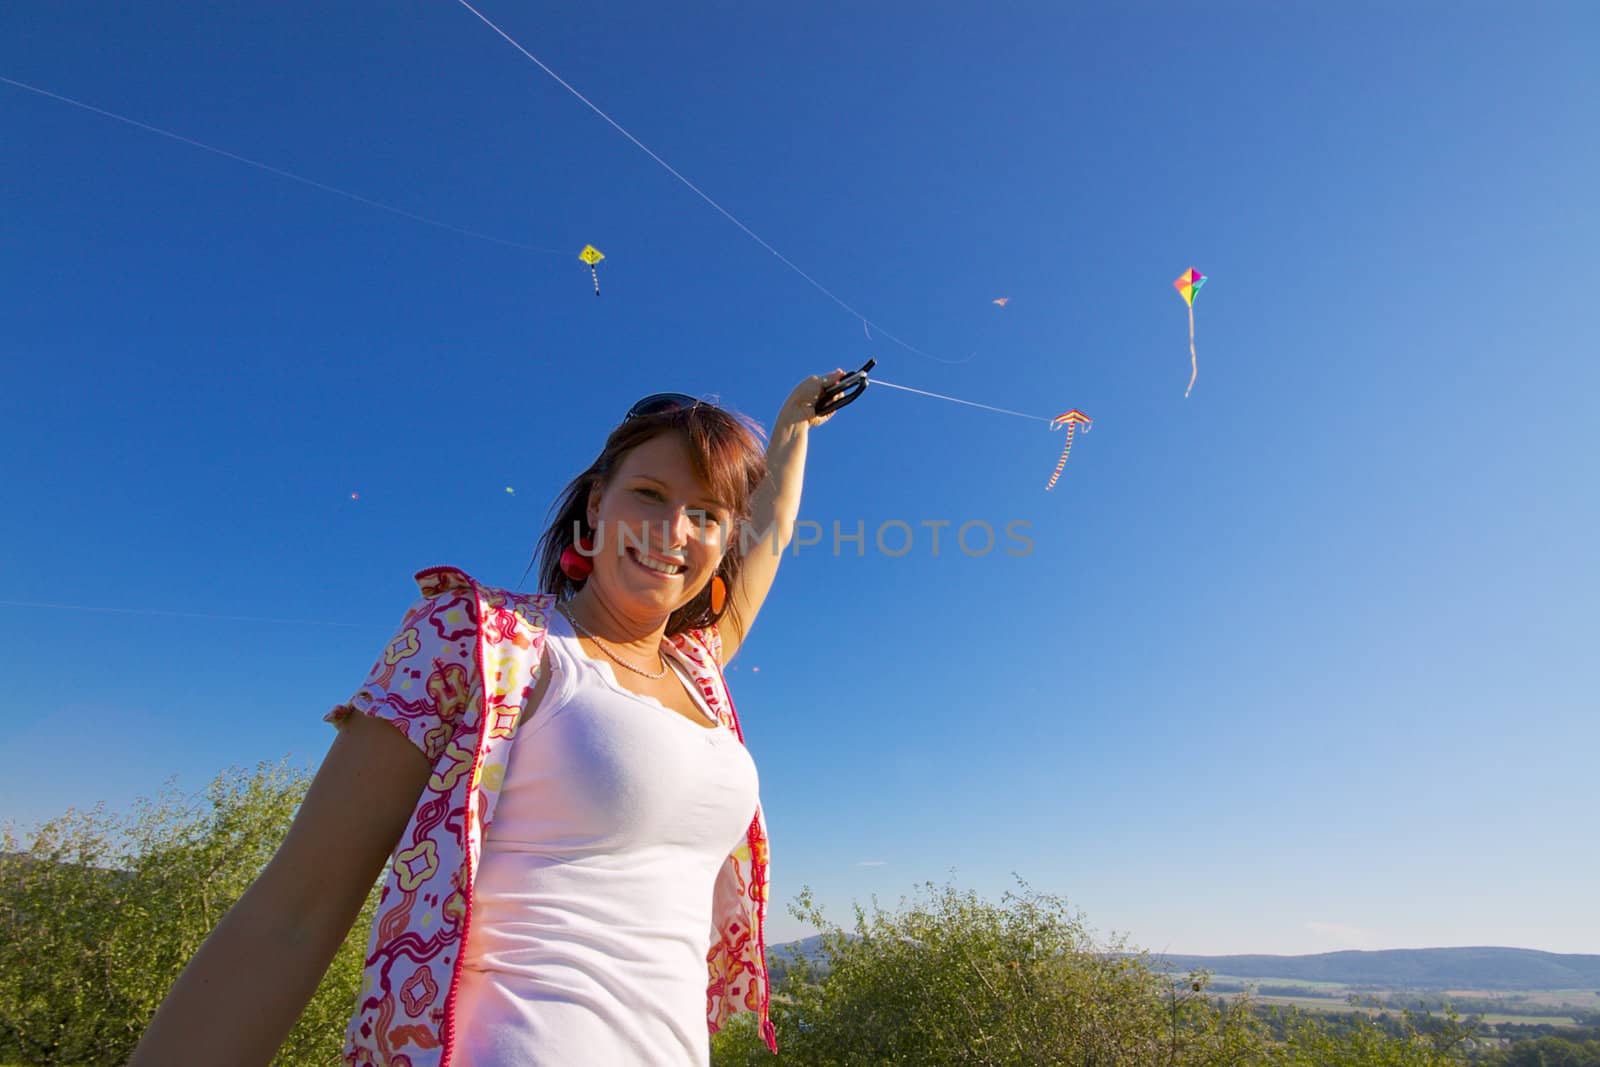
958 400
281 172
724 212
170 614
475 234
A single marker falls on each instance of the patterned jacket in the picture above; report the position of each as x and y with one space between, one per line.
454 680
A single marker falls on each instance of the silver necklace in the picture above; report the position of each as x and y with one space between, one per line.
581 628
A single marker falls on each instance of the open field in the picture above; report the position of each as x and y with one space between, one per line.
1532 1007
1310 1003
1525 1020
1311 988
1332 1004
1575 999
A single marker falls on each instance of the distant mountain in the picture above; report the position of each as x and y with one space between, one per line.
1412 968
1406 968
807 946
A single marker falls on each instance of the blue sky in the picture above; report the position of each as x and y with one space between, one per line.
1293 665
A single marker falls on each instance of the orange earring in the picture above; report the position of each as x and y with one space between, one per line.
719 594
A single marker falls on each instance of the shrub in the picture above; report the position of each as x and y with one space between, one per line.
100 914
951 979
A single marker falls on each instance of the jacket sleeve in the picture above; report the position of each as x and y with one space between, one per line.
422 682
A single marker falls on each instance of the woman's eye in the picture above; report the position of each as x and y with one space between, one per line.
651 493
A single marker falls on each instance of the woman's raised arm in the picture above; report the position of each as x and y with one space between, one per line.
776 504
240 996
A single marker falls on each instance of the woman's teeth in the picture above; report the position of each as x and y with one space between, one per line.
655 564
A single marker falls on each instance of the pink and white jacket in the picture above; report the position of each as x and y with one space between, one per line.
454 680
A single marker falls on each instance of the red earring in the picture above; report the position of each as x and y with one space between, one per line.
719 594
575 564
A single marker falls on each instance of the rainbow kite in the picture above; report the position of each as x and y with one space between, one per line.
1188 285
592 255
1070 420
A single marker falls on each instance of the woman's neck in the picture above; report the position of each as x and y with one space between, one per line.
619 631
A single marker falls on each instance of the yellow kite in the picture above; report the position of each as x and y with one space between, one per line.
592 255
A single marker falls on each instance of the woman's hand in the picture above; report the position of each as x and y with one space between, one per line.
801 407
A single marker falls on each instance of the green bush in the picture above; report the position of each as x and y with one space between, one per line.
100 914
954 980
1547 1052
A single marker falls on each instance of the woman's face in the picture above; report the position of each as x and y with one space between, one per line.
660 531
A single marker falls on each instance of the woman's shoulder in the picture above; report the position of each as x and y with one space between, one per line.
455 607
434 582
437 581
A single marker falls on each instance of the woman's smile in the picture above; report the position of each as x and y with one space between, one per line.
658 566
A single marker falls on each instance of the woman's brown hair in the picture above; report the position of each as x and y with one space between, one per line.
729 458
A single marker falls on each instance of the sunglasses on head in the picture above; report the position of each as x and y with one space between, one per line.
660 404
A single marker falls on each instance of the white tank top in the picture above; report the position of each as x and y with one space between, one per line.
591 916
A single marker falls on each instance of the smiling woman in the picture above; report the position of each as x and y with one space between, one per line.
578 857
663 496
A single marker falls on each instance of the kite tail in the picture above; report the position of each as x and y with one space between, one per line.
1193 369
1062 462
596 276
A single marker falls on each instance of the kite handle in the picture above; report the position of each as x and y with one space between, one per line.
843 391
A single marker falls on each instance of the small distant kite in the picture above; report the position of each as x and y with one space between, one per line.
592 255
1188 286
1003 301
1070 420
355 496
510 490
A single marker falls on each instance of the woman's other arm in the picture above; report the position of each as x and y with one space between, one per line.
774 509
239 997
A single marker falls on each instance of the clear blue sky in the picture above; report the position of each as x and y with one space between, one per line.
1293 665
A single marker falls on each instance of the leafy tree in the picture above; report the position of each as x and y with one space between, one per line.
1546 1052
1409 1041
99 915
951 979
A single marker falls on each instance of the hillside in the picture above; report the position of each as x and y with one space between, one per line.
1413 968
1486 968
